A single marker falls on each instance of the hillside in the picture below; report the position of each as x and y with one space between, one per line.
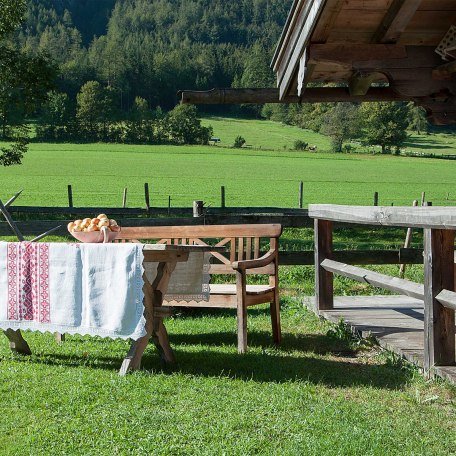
152 48
269 135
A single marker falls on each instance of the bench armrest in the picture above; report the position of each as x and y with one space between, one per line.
266 259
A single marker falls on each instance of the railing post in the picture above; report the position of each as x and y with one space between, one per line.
324 292
70 196
222 197
439 334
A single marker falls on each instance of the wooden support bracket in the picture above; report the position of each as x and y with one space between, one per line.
360 83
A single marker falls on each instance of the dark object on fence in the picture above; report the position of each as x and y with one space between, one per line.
198 208
376 199
301 194
147 196
222 197
70 196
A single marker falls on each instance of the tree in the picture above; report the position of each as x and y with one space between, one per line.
340 124
11 15
384 124
417 119
17 85
139 125
183 126
96 109
56 118
24 83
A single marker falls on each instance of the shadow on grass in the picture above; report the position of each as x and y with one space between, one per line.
279 367
313 358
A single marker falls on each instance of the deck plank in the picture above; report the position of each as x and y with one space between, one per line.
397 322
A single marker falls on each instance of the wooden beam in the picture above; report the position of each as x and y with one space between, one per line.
360 83
285 36
439 217
439 334
447 298
290 66
409 256
305 73
327 19
324 288
261 96
394 284
349 53
444 72
396 21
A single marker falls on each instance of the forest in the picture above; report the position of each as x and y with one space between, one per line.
152 48
109 71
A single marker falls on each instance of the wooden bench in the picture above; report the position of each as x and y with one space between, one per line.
243 257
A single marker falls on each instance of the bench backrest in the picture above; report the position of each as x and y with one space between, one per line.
242 242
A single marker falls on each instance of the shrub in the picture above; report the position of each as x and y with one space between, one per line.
239 142
300 145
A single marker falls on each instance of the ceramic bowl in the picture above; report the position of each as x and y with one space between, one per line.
94 237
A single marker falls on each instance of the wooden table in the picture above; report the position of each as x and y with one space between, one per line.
167 257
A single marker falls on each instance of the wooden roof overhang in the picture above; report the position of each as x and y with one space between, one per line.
360 44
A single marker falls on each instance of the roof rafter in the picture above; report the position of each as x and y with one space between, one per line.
399 14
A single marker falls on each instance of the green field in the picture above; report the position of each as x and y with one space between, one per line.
99 172
320 393
264 134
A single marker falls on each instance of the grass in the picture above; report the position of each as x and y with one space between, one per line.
99 172
320 393
441 143
279 136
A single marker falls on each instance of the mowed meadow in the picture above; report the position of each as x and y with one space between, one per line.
322 392
266 173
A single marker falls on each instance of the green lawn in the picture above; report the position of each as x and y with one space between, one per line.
264 134
320 394
442 143
99 172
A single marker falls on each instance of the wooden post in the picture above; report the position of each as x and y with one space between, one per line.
169 205
147 197
376 199
301 194
423 198
198 208
124 198
222 197
439 335
324 292
70 196
407 243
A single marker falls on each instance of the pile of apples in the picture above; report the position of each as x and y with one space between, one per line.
89 225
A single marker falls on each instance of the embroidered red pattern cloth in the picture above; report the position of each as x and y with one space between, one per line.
28 282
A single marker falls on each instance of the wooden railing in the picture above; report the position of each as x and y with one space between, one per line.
439 224
33 219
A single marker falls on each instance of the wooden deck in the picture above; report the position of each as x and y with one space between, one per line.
395 321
